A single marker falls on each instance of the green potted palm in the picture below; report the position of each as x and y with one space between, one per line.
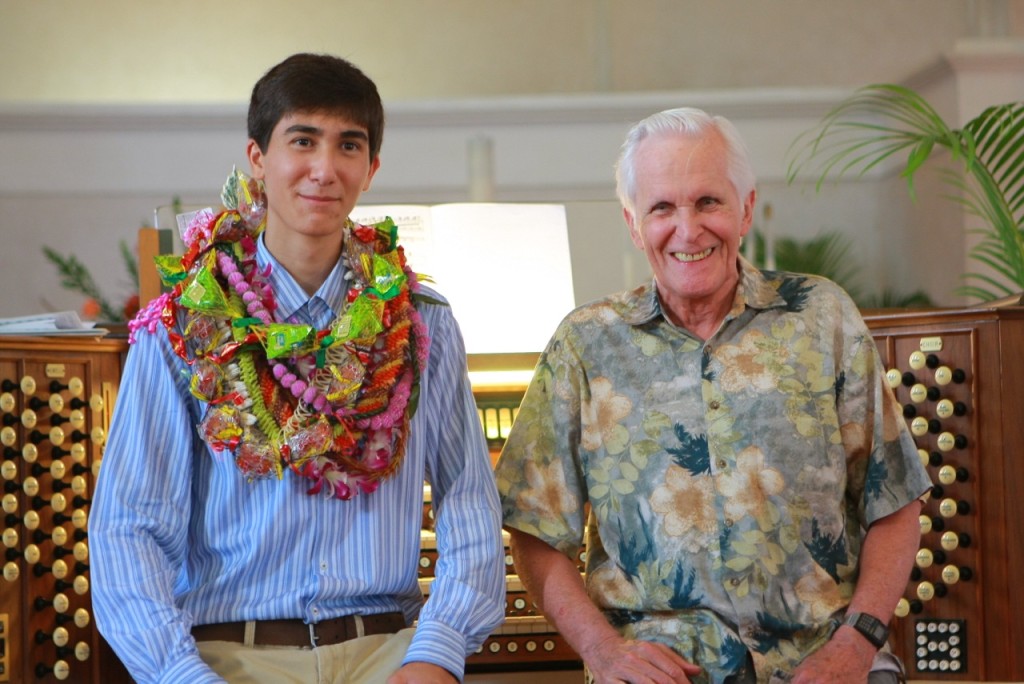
987 177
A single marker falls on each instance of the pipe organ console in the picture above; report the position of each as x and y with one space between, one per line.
957 373
56 397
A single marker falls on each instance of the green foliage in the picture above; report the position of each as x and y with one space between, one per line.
827 255
880 121
75 276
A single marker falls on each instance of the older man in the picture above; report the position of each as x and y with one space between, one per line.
753 492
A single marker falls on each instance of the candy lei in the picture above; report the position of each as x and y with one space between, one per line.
331 405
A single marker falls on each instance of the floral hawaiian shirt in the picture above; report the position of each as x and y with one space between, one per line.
729 481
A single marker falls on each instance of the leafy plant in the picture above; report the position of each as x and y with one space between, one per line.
828 255
879 121
75 276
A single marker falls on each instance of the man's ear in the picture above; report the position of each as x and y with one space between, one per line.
634 230
374 165
748 212
255 155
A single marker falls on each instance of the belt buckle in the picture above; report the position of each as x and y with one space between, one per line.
313 636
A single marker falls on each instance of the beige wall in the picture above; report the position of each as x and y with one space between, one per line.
198 51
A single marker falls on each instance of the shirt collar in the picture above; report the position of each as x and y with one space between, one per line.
755 291
290 296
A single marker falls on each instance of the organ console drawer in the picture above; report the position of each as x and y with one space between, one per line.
959 376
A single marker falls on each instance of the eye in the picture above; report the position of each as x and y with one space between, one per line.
707 202
661 208
351 145
302 141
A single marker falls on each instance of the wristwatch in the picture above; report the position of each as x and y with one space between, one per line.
873 629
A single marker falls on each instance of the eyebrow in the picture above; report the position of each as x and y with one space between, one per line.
349 134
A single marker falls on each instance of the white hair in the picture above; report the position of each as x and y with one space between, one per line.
690 122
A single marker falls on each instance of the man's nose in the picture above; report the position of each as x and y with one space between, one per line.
322 168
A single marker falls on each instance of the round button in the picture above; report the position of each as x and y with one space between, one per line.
60 636
82 618
922 455
947 474
82 651
945 441
902 608
61 603
10 537
77 419
943 375
924 558
925 591
8 436
77 453
81 585
59 536
10 503
9 470
949 540
947 508
76 386
31 554
7 402
29 418
919 426
56 403
918 393
28 385
11 572
30 453
59 569
944 409
31 520
926 524
56 435
893 377
917 360
96 403
57 470
61 669
950 574
30 486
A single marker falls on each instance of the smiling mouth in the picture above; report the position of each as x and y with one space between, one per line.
697 256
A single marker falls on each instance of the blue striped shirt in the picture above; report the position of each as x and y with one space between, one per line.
179 538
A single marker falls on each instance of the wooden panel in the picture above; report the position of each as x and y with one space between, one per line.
56 402
966 628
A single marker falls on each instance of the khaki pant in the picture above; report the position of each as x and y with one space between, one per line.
367 660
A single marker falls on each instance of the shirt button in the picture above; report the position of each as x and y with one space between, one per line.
714 405
735 581
728 522
721 464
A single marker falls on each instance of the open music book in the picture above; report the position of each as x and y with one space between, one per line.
504 267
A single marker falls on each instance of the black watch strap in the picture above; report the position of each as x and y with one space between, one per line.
873 629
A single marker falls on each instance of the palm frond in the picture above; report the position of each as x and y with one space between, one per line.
882 120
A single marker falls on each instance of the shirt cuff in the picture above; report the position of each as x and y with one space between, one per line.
438 644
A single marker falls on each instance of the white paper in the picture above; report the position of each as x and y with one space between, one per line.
58 323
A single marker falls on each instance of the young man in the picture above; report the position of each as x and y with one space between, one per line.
752 486
257 517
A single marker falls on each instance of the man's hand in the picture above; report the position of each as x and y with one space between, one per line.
616 660
845 659
422 673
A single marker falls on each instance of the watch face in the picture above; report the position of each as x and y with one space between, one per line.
873 629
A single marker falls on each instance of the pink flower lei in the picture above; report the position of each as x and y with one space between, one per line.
331 405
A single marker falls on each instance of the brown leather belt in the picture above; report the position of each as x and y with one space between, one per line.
299 633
